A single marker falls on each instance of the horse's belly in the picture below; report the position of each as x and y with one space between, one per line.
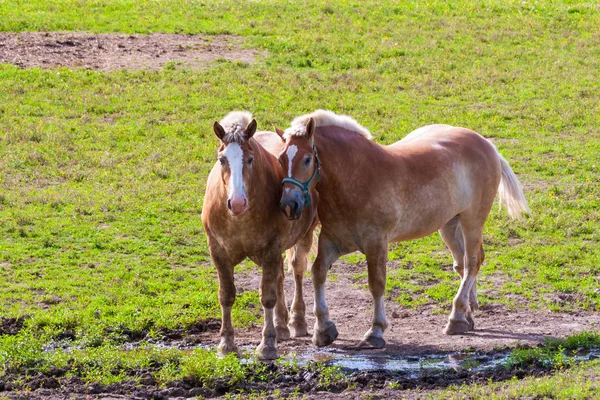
422 217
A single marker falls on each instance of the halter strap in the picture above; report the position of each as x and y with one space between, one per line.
306 185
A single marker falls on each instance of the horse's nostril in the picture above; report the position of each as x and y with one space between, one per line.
229 204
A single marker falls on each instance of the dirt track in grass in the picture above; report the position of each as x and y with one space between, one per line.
417 331
413 332
110 52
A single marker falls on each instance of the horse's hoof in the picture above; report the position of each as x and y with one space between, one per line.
471 322
266 352
283 333
298 328
326 336
456 327
228 348
372 342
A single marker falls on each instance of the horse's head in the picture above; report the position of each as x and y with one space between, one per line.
301 168
235 157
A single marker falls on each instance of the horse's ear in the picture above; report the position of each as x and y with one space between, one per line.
278 131
310 128
219 131
250 129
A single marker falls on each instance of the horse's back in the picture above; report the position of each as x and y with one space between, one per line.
461 142
425 129
270 141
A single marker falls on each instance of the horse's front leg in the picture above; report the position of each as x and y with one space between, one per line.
227 294
325 331
298 262
271 269
376 264
282 315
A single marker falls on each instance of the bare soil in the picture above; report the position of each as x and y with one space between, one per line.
54 385
11 326
418 331
413 332
110 52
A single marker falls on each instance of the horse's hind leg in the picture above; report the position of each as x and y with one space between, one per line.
376 263
298 261
461 320
325 331
452 235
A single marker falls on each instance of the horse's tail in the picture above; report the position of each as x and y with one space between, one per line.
291 253
510 192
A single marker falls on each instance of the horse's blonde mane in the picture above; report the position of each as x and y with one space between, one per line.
325 118
235 124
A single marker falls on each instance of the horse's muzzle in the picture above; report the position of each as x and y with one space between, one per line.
237 205
292 207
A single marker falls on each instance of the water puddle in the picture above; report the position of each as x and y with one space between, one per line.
417 366
410 367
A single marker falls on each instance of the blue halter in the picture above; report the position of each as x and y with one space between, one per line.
306 185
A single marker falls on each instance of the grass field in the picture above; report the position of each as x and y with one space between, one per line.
102 174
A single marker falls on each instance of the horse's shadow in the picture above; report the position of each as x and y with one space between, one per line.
393 346
499 334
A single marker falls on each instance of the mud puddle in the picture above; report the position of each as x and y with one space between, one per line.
408 366
417 366
355 361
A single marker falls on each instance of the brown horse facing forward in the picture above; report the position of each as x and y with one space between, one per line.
241 216
438 178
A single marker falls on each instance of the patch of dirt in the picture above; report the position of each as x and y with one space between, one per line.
415 331
55 384
412 333
194 333
11 326
110 52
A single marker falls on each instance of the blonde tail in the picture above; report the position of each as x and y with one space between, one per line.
511 193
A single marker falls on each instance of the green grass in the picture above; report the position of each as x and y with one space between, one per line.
572 381
580 382
102 174
554 353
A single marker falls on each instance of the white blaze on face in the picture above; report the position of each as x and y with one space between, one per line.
235 158
291 153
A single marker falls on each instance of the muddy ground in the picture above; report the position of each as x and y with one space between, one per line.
413 332
419 331
110 52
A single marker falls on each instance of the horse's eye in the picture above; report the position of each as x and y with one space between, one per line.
250 159
222 160
307 161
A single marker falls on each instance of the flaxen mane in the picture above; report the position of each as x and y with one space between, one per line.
325 118
235 124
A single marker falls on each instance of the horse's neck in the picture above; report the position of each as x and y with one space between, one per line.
341 145
265 180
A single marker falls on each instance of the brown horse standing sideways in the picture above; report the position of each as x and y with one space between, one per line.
242 218
438 178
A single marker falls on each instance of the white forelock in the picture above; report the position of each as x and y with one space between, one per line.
234 125
325 118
